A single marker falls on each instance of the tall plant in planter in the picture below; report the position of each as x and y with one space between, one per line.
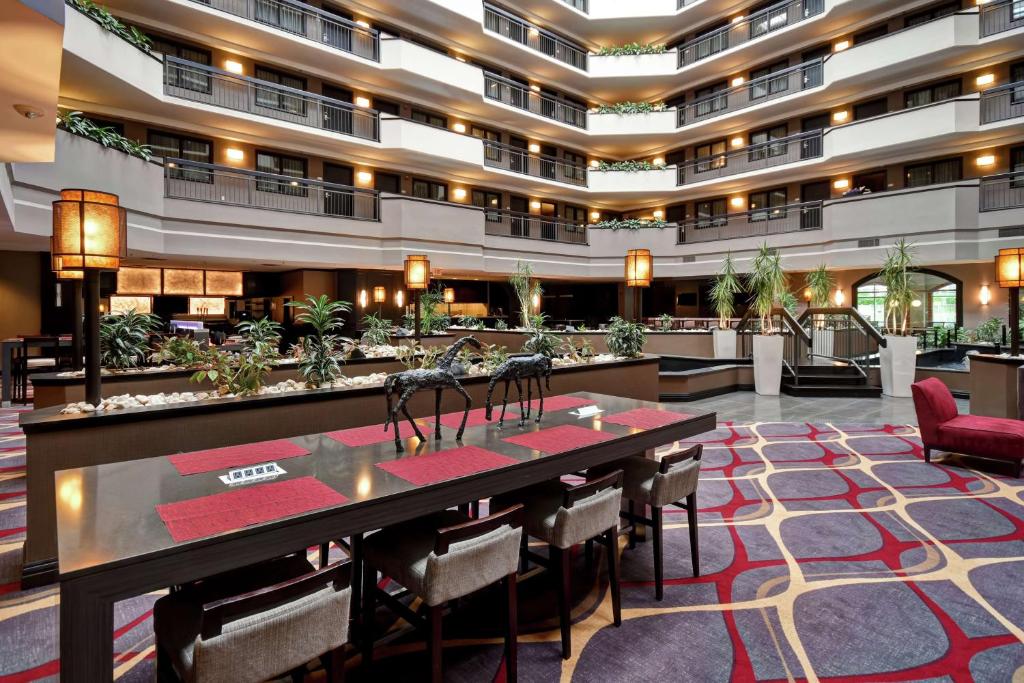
768 284
124 339
320 363
898 358
525 289
723 301
625 339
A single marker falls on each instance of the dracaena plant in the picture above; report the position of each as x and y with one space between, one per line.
899 294
768 284
525 289
820 283
723 292
322 351
625 339
376 330
263 331
124 339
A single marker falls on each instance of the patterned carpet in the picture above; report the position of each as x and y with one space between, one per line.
829 552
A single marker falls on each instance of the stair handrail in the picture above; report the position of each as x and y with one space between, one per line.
791 323
854 314
801 339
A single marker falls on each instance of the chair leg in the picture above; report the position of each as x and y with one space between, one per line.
524 547
512 633
434 615
355 554
659 552
927 454
611 542
588 553
632 526
691 521
325 549
335 665
369 608
562 580
474 509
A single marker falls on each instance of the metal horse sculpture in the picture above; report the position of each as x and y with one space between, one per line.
408 382
514 370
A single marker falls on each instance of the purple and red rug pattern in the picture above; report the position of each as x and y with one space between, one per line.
828 552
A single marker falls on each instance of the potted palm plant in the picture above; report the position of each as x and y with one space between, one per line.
898 358
723 301
526 289
820 283
767 282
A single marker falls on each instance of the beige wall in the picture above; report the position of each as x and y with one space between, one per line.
20 279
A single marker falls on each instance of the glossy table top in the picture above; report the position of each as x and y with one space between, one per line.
106 514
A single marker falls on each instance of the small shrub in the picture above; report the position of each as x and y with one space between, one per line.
124 339
625 339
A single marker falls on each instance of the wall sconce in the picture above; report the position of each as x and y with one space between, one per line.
232 66
840 116
362 298
535 204
363 22
658 161
595 215
534 31
459 127
808 295
737 202
839 298
400 299
738 141
738 81
985 297
986 160
841 45
594 163
985 79
738 19
841 184
234 154
362 101
379 295
535 302
639 268
365 177
534 148
460 58
659 214
535 88
459 193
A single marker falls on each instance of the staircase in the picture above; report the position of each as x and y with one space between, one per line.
828 381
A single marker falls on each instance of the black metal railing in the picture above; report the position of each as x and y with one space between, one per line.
753 92
581 5
517 160
758 222
523 32
208 85
1004 191
796 341
749 28
1003 103
522 97
201 182
752 158
841 335
997 17
307 22
502 223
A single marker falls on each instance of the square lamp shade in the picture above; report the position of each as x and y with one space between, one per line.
59 271
639 268
449 295
417 271
1010 267
379 295
90 230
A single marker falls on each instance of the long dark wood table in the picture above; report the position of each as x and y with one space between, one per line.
112 545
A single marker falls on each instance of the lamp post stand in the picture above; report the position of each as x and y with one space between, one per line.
93 391
1014 306
76 328
416 318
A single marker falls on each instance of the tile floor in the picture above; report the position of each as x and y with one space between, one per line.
746 406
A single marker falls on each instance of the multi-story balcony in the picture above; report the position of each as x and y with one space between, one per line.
517 160
502 223
774 220
1002 192
1002 103
208 85
521 96
757 25
757 157
307 22
523 32
1000 16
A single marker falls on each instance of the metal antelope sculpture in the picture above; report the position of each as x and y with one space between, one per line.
408 382
516 369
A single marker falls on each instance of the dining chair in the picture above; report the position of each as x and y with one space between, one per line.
26 364
564 516
255 623
439 558
658 484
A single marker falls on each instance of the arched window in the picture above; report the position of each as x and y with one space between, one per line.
938 299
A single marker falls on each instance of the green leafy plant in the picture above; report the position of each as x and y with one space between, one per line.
408 321
628 108
124 339
494 356
76 123
768 283
471 322
632 49
406 355
376 330
500 325
789 302
665 320
820 283
429 356
990 331
629 165
111 23
263 331
538 321
183 351
628 224
723 293
321 358
899 294
431 318
541 341
525 289
625 338
241 376
578 352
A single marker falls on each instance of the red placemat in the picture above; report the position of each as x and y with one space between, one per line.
443 465
551 403
646 418
190 519
235 456
477 418
560 439
372 434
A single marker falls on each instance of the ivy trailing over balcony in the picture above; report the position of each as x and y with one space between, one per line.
74 122
632 49
629 224
630 166
111 23
626 108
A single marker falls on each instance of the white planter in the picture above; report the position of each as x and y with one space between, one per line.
725 343
768 364
898 361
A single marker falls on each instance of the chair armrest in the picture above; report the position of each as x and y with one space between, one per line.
215 614
572 494
694 452
512 516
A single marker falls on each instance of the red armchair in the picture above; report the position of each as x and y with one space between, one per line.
943 428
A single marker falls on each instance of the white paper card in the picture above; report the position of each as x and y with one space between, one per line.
586 411
247 475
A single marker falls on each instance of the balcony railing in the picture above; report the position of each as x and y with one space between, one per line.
755 26
512 27
1004 15
205 84
773 220
581 5
1002 103
531 226
522 97
680 4
753 92
516 160
255 190
306 21
753 158
1005 191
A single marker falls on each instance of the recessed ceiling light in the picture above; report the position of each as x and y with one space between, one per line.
28 111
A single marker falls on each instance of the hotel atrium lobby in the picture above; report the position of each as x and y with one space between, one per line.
493 340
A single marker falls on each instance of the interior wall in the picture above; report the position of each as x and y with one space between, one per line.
20 293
